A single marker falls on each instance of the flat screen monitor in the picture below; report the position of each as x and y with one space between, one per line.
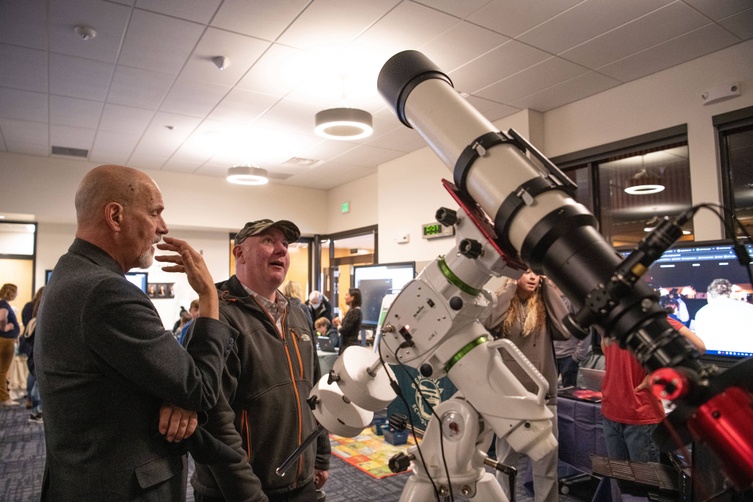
710 292
140 279
375 281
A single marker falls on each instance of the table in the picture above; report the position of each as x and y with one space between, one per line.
326 360
581 432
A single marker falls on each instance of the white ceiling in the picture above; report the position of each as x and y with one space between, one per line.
144 92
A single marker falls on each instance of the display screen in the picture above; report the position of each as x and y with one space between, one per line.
140 279
710 292
375 281
434 229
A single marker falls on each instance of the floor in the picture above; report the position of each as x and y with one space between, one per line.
22 455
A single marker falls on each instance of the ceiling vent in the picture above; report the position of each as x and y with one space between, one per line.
70 152
302 162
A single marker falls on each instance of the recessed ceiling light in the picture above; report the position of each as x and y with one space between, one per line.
247 175
343 123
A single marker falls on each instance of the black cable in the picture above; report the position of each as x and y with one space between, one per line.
439 422
729 224
396 388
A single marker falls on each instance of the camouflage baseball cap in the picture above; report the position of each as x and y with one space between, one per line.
288 228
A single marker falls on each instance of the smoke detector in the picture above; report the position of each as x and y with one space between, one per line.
85 32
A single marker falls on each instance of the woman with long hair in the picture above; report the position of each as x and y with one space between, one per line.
350 330
528 313
9 331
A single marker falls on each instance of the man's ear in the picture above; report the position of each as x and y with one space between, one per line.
114 215
238 254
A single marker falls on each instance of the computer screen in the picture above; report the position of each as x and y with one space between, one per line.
710 292
375 281
140 279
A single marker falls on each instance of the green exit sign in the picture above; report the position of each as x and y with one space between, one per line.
345 207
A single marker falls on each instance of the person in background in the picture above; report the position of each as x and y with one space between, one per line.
28 336
528 313
118 392
184 317
193 311
319 305
324 328
724 322
571 352
350 329
294 293
25 347
630 411
681 312
263 412
9 332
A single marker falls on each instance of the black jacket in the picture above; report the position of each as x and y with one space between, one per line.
263 411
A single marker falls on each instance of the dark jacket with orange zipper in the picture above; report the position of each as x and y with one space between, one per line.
263 410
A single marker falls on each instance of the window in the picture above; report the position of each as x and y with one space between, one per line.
630 184
735 131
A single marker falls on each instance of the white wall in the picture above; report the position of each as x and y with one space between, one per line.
45 187
363 196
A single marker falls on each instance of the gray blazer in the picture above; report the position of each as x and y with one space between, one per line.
105 364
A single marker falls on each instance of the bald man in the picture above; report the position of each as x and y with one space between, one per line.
106 366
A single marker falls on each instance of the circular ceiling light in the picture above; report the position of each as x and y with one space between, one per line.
644 189
247 175
343 123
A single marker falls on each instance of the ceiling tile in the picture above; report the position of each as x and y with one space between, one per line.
531 80
242 107
200 11
158 43
655 28
139 88
719 9
373 156
566 30
740 24
79 78
567 92
495 65
113 147
23 105
125 119
24 24
513 17
328 176
13 59
242 52
407 26
107 19
193 98
258 18
453 7
695 44
25 137
75 112
71 137
328 26
278 71
463 42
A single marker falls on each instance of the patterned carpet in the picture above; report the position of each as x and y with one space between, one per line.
368 452
22 455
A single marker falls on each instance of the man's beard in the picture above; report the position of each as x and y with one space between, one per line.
146 258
